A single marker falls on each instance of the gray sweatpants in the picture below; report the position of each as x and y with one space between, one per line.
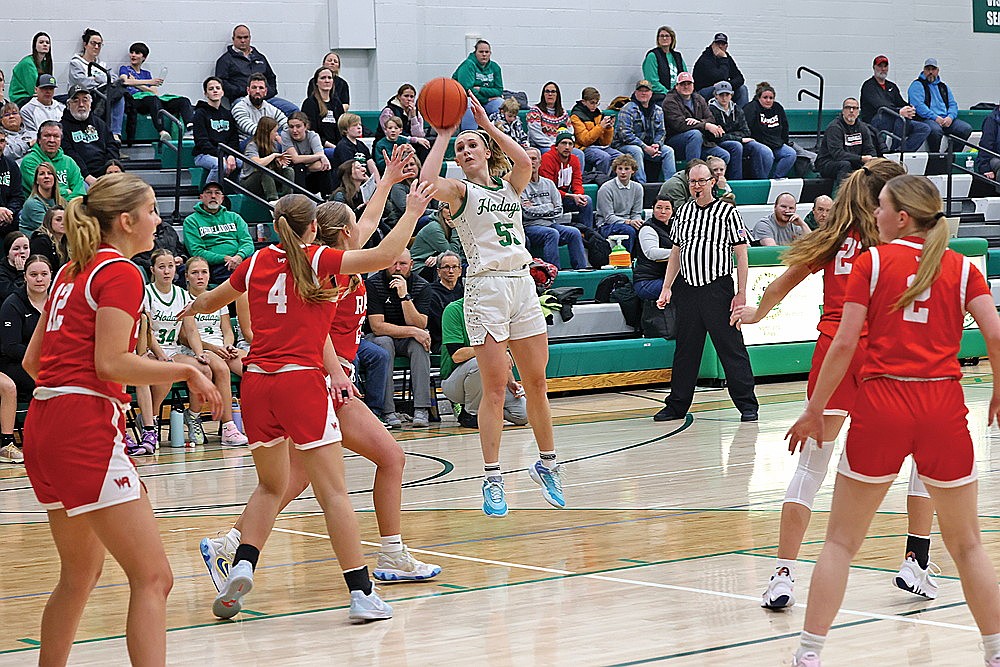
465 386
420 370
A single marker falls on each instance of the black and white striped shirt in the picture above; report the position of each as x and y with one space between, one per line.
706 236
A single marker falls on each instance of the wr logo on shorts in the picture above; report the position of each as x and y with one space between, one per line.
122 482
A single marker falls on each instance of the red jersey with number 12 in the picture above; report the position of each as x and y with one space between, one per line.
836 273
922 340
286 329
67 355
345 331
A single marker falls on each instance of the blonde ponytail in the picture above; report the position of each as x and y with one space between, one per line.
83 236
292 216
920 198
332 218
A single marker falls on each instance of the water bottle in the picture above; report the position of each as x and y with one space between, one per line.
163 72
237 415
177 426
261 233
969 163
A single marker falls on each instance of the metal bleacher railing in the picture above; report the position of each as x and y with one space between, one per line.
952 165
103 95
886 111
816 96
176 217
229 184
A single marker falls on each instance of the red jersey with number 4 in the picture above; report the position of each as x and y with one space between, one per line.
921 340
345 332
67 356
836 272
286 329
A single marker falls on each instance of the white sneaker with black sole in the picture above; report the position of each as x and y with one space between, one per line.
917 580
778 594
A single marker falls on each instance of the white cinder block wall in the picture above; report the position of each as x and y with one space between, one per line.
596 42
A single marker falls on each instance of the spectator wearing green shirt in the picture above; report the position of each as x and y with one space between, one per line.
460 378
481 76
217 234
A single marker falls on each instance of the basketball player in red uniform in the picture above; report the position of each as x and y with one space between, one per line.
913 294
81 355
833 250
286 399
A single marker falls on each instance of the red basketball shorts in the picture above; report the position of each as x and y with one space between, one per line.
844 396
294 404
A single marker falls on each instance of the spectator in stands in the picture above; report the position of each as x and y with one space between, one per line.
142 95
11 193
508 120
880 93
214 125
542 215
783 225
400 328
395 205
481 76
448 286
768 125
654 251
323 109
19 315
341 90
721 190
19 140
114 166
43 196
619 202
663 63
715 65
730 118
43 106
351 147
49 240
547 119
266 150
816 218
249 109
847 144
15 254
639 131
165 237
986 164
82 74
433 240
353 174
936 107
676 187
236 67
24 76
691 127
563 168
593 132
312 167
217 234
48 148
460 380
404 107
392 137
86 138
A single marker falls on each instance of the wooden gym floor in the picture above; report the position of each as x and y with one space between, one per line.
659 559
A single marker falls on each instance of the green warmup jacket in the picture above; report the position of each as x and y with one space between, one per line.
68 174
488 78
216 236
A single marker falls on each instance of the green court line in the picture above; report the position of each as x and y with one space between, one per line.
254 613
33 642
454 586
869 568
633 560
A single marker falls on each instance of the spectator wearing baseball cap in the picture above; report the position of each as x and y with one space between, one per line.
639 132
936 107
43 106
87 138
715 65
879 93
691 128
736 138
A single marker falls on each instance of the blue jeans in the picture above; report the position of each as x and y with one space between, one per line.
732 153
284 106
584 214
783 159
959 128
491 106
761 160
211 164
689 145
374 362
648 290
599 158
667 163
610 229
740 95
916 132
548 240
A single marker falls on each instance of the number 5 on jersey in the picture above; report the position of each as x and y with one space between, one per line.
503 231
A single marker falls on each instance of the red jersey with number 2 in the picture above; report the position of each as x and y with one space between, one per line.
287 330
921 340
67 355
836 272
345 332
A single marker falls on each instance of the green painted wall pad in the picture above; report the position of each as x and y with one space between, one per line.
611 356
169 159
993 262
751 191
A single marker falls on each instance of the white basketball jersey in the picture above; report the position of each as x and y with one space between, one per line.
489 226
163 310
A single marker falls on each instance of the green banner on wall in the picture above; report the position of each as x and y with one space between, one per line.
985 15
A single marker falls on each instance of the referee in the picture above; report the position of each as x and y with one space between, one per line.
707 231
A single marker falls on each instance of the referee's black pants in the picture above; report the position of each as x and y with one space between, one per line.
700 311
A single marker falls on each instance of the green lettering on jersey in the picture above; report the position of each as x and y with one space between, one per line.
489 206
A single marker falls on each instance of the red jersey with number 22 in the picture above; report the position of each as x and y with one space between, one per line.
286 329
921 340
67 355
836 273
345 332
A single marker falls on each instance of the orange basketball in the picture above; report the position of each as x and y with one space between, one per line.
442 102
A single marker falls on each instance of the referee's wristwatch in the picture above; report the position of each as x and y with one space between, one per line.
407 297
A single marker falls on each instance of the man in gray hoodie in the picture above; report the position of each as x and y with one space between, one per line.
541 213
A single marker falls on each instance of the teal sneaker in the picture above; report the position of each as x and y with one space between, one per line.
494 502
551 483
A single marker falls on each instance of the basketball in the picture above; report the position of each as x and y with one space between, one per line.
442 102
